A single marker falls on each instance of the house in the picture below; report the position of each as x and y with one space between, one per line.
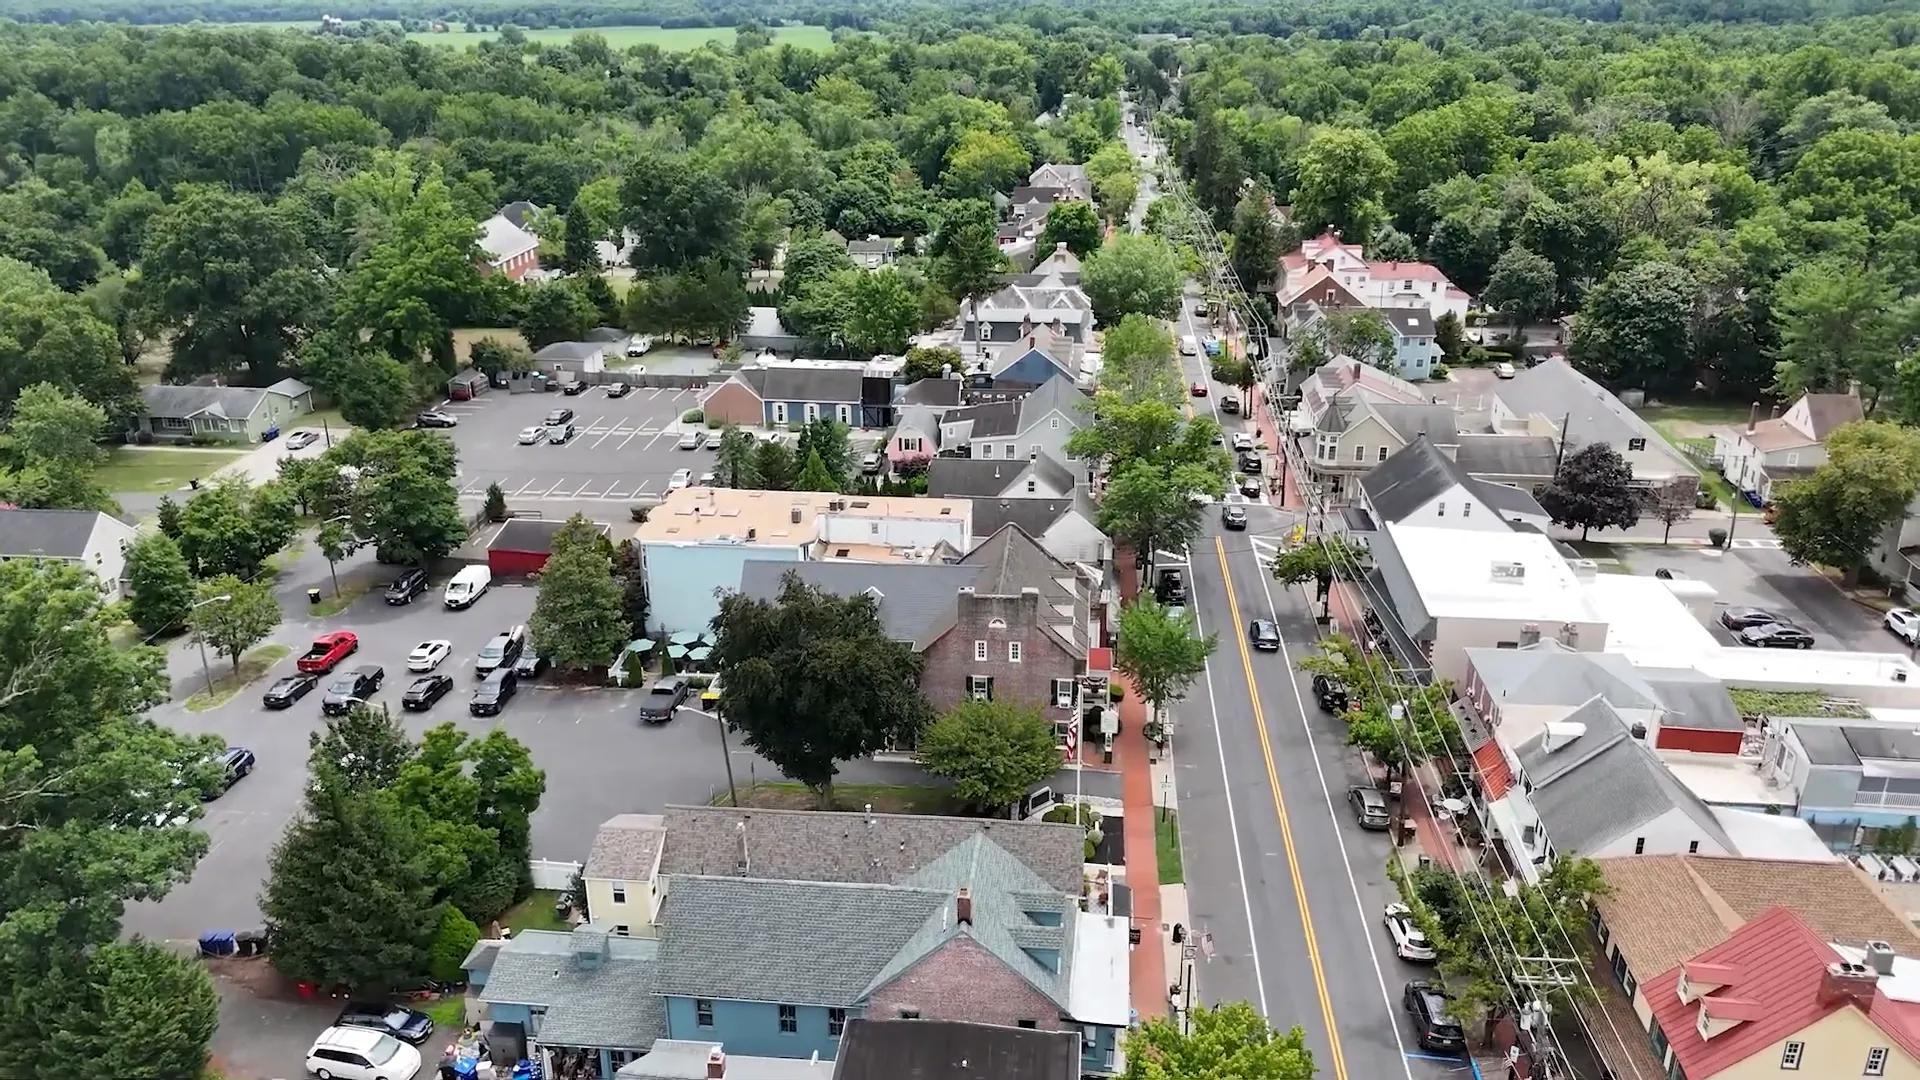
573 357
678 1059
85 538
1415 348
936 393
1847 773
1358 432
1527 462
778 395
1660 911
1016 311
980 478
1553 398
875 251
1517 691
230 413
521 213
588 995
1312 294
1786 447
622 873
1027 204
1775 997
974 934
522 546
954 1050
1024 365
1038 423
508 248
1064 527
1071 179
696 541
1422 484
1376 284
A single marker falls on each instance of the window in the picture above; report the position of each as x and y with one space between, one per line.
1063 693
1439 509
703 1012
1012 450
1359 453
1693 847
1793 457
1029 1024
813 412
910 445
980 687
1053 422
909 1014
1790 1055
1466 508
1383 454
1032 486
846 414
620 929
1636 444
836 1021
619 892
779 412
789 1020
979 652
1639 845
178 423
1326 448
1013 652
1033 451
1876 1062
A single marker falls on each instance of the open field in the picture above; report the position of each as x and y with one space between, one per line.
150 469
675 39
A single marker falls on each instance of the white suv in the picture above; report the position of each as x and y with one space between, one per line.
351 1053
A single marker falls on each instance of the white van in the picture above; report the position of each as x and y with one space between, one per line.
467 585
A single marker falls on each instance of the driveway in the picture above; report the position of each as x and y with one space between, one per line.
1764 578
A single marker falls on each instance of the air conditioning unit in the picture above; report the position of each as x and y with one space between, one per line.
979 694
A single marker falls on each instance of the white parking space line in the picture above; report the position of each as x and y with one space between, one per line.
582 493
636 432
662 435
655 396
548 494
612 494
522 490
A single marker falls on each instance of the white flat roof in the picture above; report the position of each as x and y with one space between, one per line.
1098 980
1811 668
1467 574
1646 621
1758 835
1723 779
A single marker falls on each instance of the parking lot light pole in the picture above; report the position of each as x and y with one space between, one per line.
330 563
206 671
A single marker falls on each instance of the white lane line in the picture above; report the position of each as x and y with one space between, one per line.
611 432
662 435
1333 815
548 494
631 435
522 490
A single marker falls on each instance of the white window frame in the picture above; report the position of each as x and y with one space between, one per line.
1440 509
1013 652
1012 451
1790 1055
779 412
846 414
619 891
1466 509
1383 454
1359 455
980 652
811 411
1876 1062
1063 693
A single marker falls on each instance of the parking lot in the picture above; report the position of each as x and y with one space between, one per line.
1763 577
623 448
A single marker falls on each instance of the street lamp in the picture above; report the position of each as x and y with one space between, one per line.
327 551
200 639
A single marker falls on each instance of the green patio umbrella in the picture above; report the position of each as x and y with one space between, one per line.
700 653
684 638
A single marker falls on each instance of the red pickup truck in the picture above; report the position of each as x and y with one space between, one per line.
328 650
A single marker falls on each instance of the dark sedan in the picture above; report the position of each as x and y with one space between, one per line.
1264 635
1775 636
424 691
1739 618
618 389
1234 517
407 1025
284 692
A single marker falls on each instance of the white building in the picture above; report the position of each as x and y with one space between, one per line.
1780 448
85 538
1379 284
1422 484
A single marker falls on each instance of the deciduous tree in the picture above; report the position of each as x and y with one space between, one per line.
1362 334
1636 329
813 680
51 336
160 587
55 435
733 458
1340 181
578 621
1137 362
557 311
681 213
1160 652
1836 324
1133 275
401 498
1257 241
233 528
1593 490
237 623
1231 1040
1522 286
1074 224
1835 516
993 751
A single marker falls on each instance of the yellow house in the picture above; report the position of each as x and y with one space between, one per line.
622 874
1776 998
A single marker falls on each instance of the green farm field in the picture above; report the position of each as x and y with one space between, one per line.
677 39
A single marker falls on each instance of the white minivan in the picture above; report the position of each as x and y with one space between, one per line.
466 587
351 1053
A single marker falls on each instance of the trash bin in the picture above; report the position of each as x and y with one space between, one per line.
313 596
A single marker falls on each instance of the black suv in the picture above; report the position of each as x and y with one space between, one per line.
1172 588
1250 464
360 683
493 693
398 1021
664 699
1264 635
234 762
556 417
1330 692
1436 1030
502 652
406 587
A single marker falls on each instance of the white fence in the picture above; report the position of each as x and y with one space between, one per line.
552 874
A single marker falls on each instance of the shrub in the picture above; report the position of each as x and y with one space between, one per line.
1717 537
496 509
451 944
1441 371
715 423
693 416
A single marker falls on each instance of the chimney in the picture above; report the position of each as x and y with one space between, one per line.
716 1063
1060 248
1753 416
795 515
1845 980
1529 635
963 908
1774 413
1880 957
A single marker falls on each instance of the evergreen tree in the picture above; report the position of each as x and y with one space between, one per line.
579 255
814 476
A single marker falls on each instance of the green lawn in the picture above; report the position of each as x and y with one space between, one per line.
677 39
1166 847
449 1013
154 469
535 913
1698 412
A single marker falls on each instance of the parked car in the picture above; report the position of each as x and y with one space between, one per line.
1503 370
424 691
1433 1025
503 651
693 440
289 689
664 699
531 436
436 418
1667 573
1330 693
1778 635
1242 442
407 586
680 478
1264 635
560 434
1250 463
1172 588
357 1053
1188 346
302 439
1229 404
327 651
1905 624
428 654
639 345
493 693
561 415
619 389
1250 486
707 480
1408 942
356 685
1198 389
234 763
1739 618
870 465
1369 808
466 587
574 388
531 665
1233 517
398 1021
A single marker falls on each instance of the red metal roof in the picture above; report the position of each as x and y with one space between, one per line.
1495 776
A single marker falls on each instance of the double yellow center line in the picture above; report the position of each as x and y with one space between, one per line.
1280 808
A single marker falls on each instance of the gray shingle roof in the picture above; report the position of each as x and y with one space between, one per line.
916 599
1414 476
1507 455
811 845
830 386
1436 422
1549 673
1693 700
1058 393
994 420
1507 500
612 1005
1034 516
1010 560
1556 390
932 392
1410 321
952 1050
1604 784
811 942
54 534
971 478
626 846
878 245
501 239
228 402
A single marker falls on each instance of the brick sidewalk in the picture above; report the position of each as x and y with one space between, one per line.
1148 964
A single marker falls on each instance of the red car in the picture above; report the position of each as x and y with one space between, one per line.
1199 389
328 650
